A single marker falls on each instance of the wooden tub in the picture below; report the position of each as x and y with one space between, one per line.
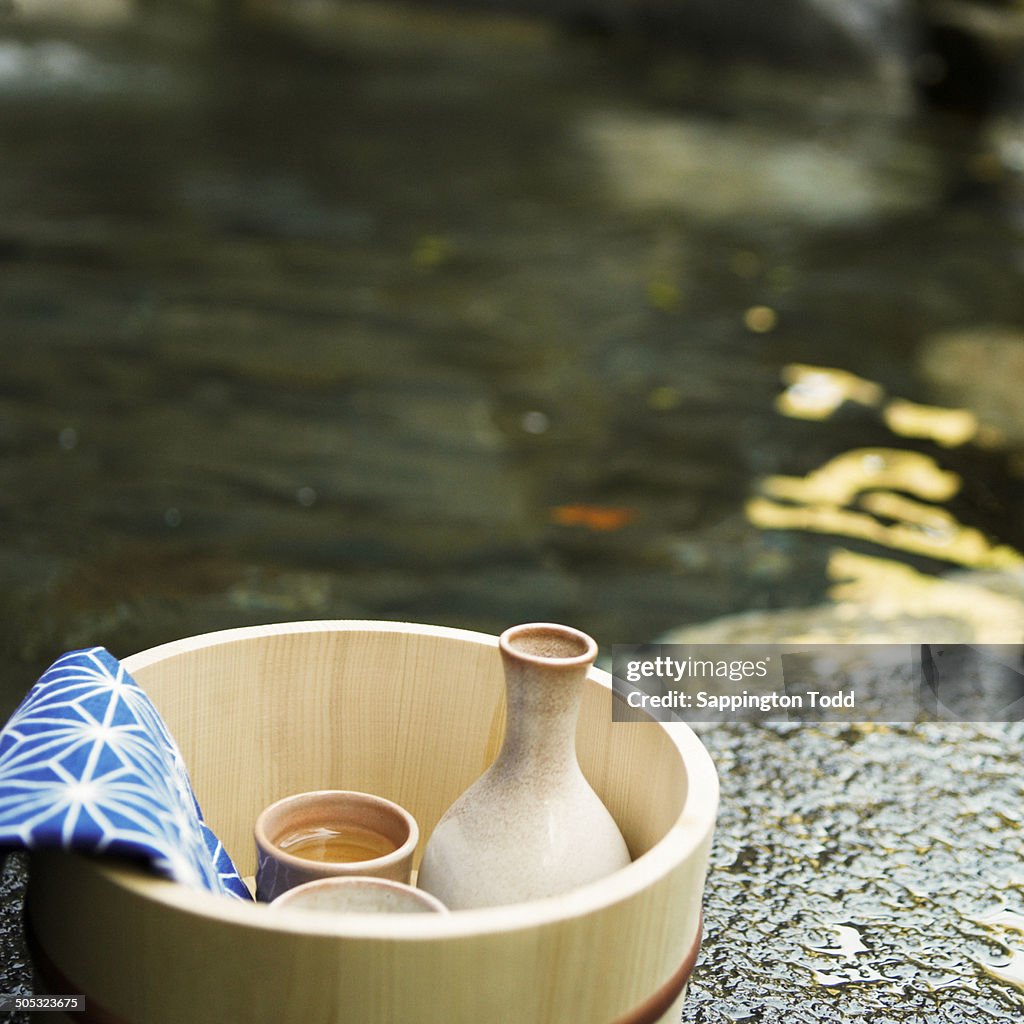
414 713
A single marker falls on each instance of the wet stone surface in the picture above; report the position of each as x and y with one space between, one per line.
15 965
472 322
859 874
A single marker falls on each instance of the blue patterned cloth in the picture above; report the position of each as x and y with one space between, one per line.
86 763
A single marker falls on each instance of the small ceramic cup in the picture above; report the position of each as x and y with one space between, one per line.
360 895
330 833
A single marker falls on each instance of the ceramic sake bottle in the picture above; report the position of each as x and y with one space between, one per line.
531 825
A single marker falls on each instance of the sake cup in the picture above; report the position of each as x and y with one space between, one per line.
360 895
331 833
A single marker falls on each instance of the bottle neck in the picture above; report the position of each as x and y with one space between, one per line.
542 709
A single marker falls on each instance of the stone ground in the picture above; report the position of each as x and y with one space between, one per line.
472 321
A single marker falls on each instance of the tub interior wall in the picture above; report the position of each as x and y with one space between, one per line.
412 717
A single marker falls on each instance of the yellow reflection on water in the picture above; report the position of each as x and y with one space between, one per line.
948 427
897 506
959 544
892 498
885 589
815 392
841 479
930 530
870 494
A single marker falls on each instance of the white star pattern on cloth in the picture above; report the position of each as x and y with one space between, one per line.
86 763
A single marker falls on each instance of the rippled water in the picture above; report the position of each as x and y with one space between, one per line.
474 325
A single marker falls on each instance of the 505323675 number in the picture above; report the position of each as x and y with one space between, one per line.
16 1001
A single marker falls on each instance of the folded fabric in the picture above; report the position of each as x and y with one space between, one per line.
87 764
